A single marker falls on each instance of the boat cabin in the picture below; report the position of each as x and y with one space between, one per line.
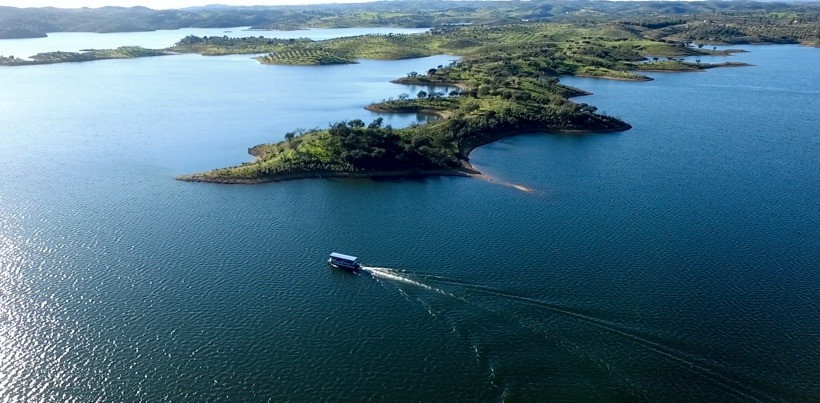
345 261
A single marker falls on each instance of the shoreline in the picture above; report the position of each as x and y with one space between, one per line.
84 56
289 176
468 148
699 68
466 170
637 80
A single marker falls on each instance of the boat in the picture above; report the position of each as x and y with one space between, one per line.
344 261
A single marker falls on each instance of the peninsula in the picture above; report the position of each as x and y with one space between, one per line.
507 78
508 84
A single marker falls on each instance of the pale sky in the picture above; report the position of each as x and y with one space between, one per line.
160 4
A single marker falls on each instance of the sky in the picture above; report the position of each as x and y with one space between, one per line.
158 4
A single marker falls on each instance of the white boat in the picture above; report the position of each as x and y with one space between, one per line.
344 261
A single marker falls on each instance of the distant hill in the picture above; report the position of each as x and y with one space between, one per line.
37 22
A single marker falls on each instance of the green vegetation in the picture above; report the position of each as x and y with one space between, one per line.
411 15
598 50
307 57
35 22
125 52
223 45
433 103
678 65
734 28
669 65
701 21
587 71
508 83
345 148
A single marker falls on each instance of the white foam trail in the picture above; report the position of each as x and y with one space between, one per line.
391 274
394 275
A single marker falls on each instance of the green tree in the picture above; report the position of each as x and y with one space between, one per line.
376 124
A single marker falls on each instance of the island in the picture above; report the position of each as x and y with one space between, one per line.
124 52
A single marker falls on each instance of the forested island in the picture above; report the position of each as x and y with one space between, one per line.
124 52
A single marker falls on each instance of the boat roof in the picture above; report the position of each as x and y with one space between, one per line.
345 257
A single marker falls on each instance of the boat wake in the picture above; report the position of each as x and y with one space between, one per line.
391 274
399 276
471 294
502 182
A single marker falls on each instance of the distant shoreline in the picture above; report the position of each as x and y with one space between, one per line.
288 176
636 79
87 55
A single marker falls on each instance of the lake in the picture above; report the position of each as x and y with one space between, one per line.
675 261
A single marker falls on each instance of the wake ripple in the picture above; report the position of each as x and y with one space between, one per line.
404 276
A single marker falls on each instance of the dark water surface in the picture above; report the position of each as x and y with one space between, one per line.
678 260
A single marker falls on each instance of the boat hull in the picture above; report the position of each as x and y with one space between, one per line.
355 267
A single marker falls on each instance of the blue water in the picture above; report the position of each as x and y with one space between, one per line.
675 261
